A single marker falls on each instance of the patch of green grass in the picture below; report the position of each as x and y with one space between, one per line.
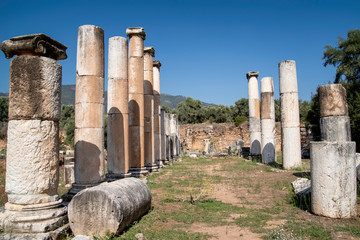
310 230
281 185
353 230
255 220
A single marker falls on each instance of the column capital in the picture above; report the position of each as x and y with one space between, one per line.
252 74
149 50
136 31
34 44
157 63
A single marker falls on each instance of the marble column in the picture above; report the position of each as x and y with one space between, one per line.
117 109
157 111
136 101
268 152
89 109
32 161
290 116
163 137
333 160
254 113
150 164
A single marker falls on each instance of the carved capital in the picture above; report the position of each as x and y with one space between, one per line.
34 44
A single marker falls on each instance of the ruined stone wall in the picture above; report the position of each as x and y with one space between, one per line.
222 134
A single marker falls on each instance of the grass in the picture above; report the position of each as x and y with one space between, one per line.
183 197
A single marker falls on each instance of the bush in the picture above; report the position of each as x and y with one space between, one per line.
239 120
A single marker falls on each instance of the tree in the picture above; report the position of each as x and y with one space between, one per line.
241 108
190 111
4 106
346 57
67 121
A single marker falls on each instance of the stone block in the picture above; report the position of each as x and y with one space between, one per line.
89 115
35 87
118 58
335 128
117 96
287 76
136 110
89 155
136 146
90 51
291 148
267 105
118 148
69 173
136 46
332 100
36 179
108 207
290 116
254 124
89 89
333 179
136 75
302 186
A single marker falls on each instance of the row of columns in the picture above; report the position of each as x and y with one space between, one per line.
135 122
262 123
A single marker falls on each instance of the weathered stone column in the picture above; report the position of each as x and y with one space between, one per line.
254 113
333 161
163 137
118 124
89 109
173 137
290 116
334 119
136 101
157 112
32 162
168 137
150 164
268 153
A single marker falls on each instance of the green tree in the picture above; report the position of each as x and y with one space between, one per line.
190 111
4 107
277 110
345 57
241 108
304 107
67 122
313 117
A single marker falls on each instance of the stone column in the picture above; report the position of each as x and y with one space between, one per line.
334 119
157 111
168 138
268 153
254 113
89 109
290 116
173 137
163 137
333 161
150 164
32 163
136 101
117 109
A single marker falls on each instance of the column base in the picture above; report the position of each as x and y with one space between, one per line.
152 168
110 177
59 233
139 172
33 219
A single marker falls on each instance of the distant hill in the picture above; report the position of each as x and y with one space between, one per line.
68 98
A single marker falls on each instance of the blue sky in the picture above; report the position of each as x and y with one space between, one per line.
206 47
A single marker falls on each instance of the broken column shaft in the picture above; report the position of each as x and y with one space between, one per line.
32 162
254 113
150 165
157 111
118 124
267 120
163 137
89 108
290 117
136 101
333 161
